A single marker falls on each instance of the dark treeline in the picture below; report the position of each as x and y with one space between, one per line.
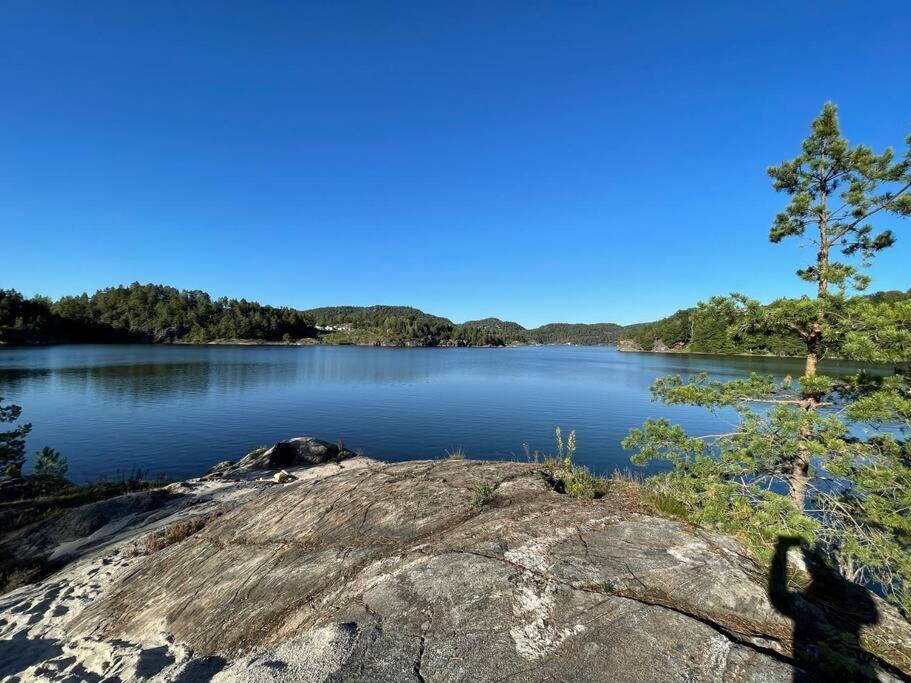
717 327
596 334
391 322
157 313
160 314
145 313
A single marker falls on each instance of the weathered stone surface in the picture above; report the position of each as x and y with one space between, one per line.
300 451
360 570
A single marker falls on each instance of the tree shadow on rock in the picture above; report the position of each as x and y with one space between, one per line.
828 614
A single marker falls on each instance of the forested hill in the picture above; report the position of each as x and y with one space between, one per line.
157 313
719 327
145 313
160 314
594 334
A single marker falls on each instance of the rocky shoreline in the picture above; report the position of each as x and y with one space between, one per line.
308 562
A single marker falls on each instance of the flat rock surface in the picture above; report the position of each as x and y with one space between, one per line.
361 570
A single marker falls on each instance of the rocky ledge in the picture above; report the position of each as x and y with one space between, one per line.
306 562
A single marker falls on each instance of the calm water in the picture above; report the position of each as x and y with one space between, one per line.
177 410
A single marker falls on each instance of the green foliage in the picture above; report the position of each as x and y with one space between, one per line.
399 324
482 493
869 185
144 313
154 313
50 470
705 495
490 332
390 323
50 466
12 442
575 480
594 334
871 518
477 336
736 324
859 489
822 459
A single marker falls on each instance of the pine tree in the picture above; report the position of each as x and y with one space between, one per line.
12 443
791 451
50 470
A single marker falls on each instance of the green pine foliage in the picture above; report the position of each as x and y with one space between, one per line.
820 458
593 334
12 442
49 473
726 325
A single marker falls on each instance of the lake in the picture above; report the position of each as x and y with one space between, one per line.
177 410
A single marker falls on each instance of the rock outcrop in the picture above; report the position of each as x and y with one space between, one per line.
353 569
301 451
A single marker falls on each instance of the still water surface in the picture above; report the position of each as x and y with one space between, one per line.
177 410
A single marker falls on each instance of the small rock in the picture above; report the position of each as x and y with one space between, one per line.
283 477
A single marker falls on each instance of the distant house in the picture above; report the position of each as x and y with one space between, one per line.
679 345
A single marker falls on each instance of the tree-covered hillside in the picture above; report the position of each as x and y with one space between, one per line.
145 313
717 327
157 313
594 334
506 328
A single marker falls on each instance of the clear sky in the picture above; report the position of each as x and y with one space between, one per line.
536 161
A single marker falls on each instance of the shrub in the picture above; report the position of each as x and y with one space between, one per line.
753 514
12 443
574 480
50 470
482 494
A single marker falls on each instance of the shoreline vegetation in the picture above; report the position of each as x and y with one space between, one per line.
159 314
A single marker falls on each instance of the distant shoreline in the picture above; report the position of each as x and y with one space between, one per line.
302 342
314 342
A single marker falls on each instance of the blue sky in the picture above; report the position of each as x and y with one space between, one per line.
534 161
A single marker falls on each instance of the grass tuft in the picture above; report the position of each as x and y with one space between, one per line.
457 453
482 494
176 532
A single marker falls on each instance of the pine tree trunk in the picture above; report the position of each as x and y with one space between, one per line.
800 480
800 473
810 367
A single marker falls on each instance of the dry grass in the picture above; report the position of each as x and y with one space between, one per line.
175 533
457 453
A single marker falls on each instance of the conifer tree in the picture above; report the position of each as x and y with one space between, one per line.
794 462
12 443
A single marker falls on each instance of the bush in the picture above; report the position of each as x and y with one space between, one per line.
755 515
50 470
574 480
482 494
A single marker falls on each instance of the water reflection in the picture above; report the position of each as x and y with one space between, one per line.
178 409
218 373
